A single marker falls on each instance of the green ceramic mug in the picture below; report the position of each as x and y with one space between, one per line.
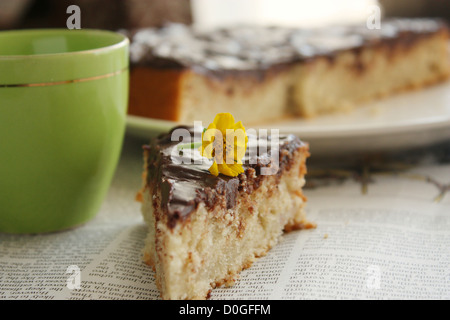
63 104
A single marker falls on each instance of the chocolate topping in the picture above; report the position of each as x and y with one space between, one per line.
257 47
184 181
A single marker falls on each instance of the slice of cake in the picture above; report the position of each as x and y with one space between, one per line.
205 229
264 73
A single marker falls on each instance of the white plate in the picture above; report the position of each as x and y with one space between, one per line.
407 120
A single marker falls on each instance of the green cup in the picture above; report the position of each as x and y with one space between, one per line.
63 105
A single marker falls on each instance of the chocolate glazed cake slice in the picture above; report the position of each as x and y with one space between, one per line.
261 74
205 229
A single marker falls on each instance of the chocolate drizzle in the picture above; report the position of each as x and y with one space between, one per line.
184 180
258 48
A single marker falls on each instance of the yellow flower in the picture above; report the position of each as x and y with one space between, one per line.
223 134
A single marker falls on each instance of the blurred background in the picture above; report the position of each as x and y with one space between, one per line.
130 14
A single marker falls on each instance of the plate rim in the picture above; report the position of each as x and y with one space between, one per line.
142 123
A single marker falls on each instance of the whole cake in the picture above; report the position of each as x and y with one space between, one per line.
205 226
264 73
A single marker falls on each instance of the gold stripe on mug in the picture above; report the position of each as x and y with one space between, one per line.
55 83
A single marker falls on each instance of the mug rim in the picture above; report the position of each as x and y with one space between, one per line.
122 40
103 53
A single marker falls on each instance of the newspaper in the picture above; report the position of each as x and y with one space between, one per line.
388 238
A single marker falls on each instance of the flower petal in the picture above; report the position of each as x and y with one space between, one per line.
208 137
230 170
224 121
238 125
214 170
